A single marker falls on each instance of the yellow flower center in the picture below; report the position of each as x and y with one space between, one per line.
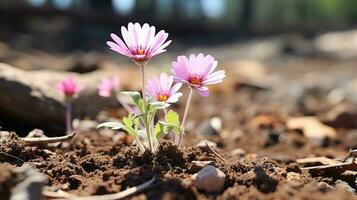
162 97
195 80
141 51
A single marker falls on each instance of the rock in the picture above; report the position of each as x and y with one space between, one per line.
31 187
197 165
211 127
324 187
293 177
74 181
264 182
249 74
339 44
30 97
209 179
204 143
317 132
342 116
238 152
343 184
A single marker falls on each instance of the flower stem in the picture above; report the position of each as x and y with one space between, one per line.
142 149
142 70
145 117
68 117
188 102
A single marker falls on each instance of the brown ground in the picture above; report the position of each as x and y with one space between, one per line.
253 120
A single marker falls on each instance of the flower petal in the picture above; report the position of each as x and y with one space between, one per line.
203 91
175 88
174 98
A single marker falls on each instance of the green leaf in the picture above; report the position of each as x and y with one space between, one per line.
159 131
172 118
112 125
159 105
135 96
128 121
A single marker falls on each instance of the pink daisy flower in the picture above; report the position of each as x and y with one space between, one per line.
197 71
69 87
108 86
162 89
140 42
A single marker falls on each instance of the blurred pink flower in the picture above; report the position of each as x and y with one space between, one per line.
69 87
197 71
108 86
140 42
162 89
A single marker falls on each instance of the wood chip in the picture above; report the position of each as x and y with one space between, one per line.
331 170
312 128
47 140
316 161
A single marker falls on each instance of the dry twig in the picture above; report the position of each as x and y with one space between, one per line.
60 194
215 153
45 140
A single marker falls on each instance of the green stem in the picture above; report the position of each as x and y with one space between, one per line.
142 70
141 147
145 117
188 102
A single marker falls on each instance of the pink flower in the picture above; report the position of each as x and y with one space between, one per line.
108 86
140 42
69 87
162 89
197 71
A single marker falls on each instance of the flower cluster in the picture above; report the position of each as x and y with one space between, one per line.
140 44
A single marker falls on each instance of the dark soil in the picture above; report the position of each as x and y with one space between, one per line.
254 120
95 164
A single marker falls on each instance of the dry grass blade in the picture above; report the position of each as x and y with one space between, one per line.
215 153
332 169
45 140
120 195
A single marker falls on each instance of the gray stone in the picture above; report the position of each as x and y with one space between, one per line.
209 179
30 97
197 165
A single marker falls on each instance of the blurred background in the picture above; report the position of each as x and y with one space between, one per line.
291 47
60 26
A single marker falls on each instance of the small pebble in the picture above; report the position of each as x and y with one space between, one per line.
293 177
198 165
324 187
209 179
